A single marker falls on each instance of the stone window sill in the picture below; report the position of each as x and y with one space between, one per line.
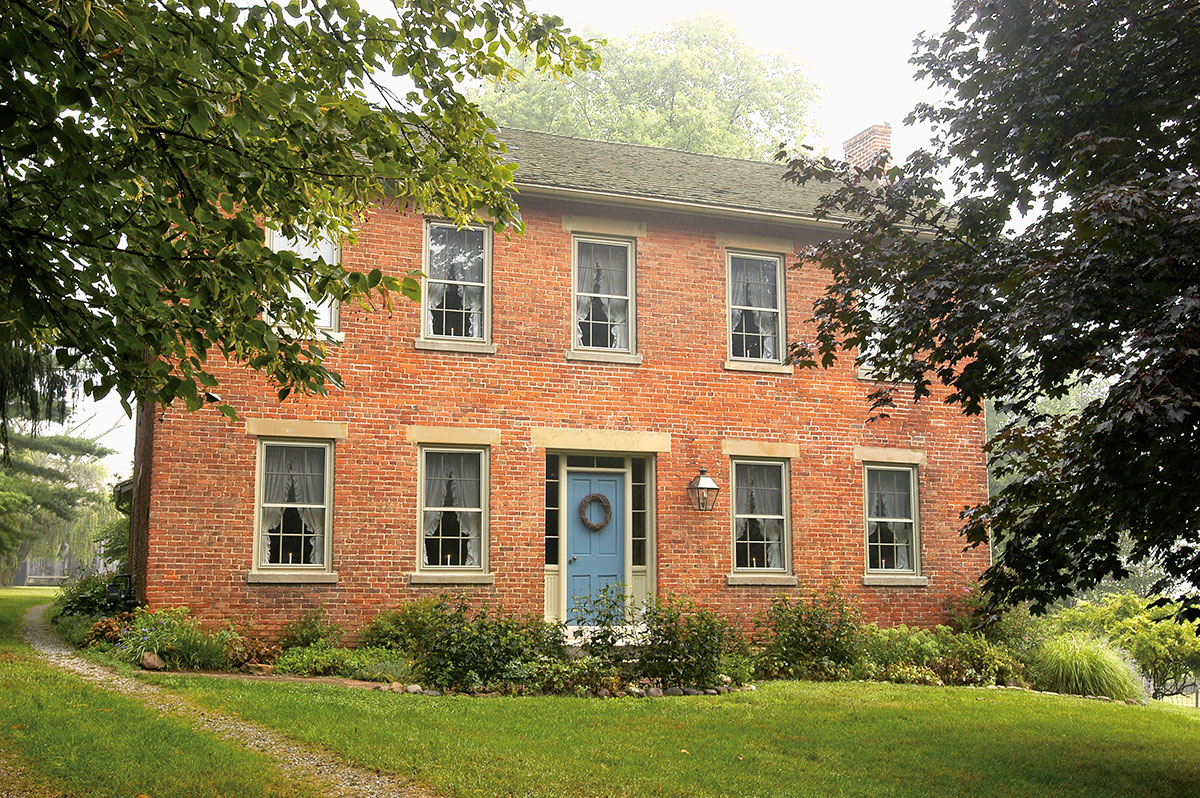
446 345
895 580
291 577
762 580
450 578
762 368
626 358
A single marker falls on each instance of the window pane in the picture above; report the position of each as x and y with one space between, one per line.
456 255
452 479
754 282
759 491
294 475
639 470
602 269
888 493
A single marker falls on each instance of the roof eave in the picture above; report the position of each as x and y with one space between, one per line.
677 206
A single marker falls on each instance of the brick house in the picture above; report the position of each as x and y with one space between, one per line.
528 433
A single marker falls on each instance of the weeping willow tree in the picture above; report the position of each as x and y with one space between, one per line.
52 496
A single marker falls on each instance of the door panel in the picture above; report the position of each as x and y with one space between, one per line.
595 557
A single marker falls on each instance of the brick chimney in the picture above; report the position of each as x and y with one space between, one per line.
862 149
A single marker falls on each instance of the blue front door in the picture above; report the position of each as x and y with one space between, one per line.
595 534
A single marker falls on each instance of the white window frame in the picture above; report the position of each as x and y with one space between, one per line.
781 309
914 519
484 453
274 241
630 246
259 553
452 340
786 495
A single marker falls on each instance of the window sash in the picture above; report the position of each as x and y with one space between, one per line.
583 295
780 485
878 546
771 345
326 311
319 538
466 544
482 325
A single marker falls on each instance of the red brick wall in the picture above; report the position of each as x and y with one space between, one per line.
202 506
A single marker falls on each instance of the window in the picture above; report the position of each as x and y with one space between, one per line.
323 249
455 298
294 504
453 521
603 295
759 516
891 518
755 308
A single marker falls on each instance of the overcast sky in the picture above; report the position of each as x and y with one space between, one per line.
856 51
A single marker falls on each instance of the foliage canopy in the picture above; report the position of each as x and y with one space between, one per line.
1082 116
146 143
693 85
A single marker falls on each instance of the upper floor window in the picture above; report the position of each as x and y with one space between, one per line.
755 308
603 295
294 504
326 310
760 515
891 518
455 298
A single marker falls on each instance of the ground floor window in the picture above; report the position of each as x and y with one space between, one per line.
453 520
294 503
759 515
891 518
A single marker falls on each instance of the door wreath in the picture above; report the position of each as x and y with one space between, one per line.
605 505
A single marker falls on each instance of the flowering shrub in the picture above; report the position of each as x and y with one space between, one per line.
176 637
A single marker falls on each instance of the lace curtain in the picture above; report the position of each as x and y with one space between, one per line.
456 263
754 289
452 480
294 476
760 493
603 269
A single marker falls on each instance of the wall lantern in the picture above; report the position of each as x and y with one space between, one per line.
703 491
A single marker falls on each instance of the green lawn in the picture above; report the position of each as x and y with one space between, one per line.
786 739
78 739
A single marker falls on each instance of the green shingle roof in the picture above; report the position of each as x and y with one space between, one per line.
634 170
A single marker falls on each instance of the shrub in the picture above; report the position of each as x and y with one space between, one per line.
971 659
176 637
386 670
682 643
1014 629
323 659
467 652
610 619
580 676
108 630
74 629
84 594
243 649
908 673
898 645
814 637
309 630
737 668
407 628
1080 664
1166 651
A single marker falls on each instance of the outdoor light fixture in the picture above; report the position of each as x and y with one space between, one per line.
702 490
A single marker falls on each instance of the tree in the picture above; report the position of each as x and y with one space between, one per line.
51 495
1083 117
146 144
694 86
